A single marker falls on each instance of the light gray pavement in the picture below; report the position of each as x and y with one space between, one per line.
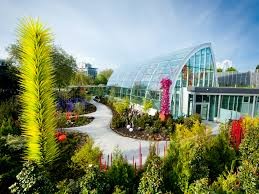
99 129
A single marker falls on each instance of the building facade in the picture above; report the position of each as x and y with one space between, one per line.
239 79
89 70
189 69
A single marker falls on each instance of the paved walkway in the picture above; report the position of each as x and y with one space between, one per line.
99 129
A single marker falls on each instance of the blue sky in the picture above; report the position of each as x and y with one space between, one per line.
109 33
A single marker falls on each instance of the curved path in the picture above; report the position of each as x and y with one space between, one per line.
99 129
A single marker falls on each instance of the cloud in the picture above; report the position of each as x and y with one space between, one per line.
224 64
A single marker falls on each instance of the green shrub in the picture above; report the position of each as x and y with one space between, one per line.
11 150
151 155
6 127
87 155
118 121
119 190
32 179
121 106
94 181
249 149
61 120
147 104
79 108
200 187
186 157
121 173
220 154
227 183
152 180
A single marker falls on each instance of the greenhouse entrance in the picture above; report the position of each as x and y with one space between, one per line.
202 109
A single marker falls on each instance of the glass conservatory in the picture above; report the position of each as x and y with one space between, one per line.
193 66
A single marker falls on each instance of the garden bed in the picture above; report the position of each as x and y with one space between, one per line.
64 122
142 135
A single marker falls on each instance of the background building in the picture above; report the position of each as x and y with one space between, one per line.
194 86
239 79
88 69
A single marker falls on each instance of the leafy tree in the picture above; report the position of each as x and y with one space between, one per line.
81 79
219 70
231 69
64 64
38 107
8 81
64 67
103 76
257 67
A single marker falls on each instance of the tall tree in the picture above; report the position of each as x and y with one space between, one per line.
64 64
64 67
37 81
103 76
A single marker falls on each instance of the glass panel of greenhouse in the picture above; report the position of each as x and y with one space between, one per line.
192 66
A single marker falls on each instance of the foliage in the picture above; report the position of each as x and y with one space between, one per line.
11 148
121 173
249 149
81 79
186 158
103 76
32 179
38 109
9 110
219 70
94 181
200 186
189 121
6 127
231 69
87 155
64 64
228 182
152 181
147 104
119 190
220 154
118 121
9 86
121 106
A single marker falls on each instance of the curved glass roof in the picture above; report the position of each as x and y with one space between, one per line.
149 74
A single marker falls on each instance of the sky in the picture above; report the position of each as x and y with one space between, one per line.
110 33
